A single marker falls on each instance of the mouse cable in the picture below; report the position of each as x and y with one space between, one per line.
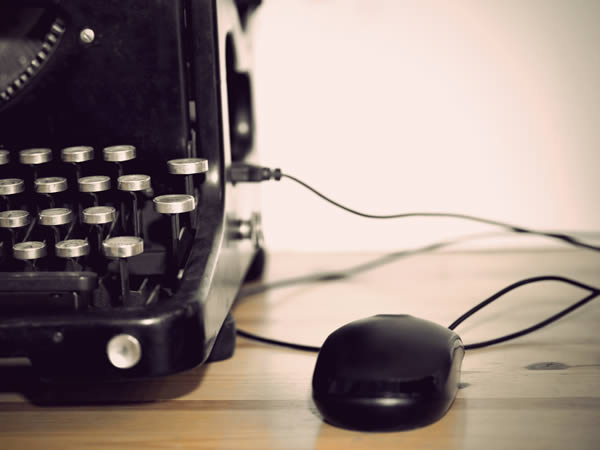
594 292
242 172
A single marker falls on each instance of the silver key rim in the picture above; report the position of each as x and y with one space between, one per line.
77 154
55 216
72 248
14 218
134 182
123 246
10 186
4 157
97 215
187 166
29 250
35 156
94 183
174 203
50 185
119 153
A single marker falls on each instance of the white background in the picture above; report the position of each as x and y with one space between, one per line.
489 108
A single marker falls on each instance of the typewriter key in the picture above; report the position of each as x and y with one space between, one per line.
174 204
134 184
55 216
29 250
97 215
72 248
94 183
50 185
16 218
77 154
188 167
10 186
4 157
35 156
119 153
123 247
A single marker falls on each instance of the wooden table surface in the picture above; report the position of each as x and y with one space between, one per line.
541 391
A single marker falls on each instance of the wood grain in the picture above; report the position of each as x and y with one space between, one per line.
512 395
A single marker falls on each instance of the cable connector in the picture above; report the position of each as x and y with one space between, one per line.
248 173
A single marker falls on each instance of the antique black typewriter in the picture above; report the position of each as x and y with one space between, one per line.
123 244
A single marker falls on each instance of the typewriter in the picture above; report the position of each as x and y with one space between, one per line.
123 243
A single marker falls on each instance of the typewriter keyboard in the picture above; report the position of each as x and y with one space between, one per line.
81 230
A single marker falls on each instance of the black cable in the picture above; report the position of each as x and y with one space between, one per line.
516 229
594 292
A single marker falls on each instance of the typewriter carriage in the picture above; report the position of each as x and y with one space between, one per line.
172 79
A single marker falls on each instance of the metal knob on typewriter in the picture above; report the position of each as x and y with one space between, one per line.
121 248
55 216
134 184
72 249
77 154
119 153
98 215
174 204
16 218
4 157
29 250
35 156
50 185
94 183
11 186
188 167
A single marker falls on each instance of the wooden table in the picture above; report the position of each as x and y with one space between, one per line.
541 391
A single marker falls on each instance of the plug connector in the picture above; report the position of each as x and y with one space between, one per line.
249 173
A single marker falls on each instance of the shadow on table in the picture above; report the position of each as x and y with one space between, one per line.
22 380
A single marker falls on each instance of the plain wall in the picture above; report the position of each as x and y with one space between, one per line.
489 108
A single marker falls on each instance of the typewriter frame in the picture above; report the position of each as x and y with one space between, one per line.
180 333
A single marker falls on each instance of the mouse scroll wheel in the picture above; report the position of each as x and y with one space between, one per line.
28 36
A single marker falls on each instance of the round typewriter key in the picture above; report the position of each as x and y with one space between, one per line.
15 218
77 154
123 246
29 250
95 183
10 186
72 248
96 215
133 182
187 166
174 203
35 156
4 157
119 153
50 185
56 216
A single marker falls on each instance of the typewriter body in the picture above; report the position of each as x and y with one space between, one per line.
123 245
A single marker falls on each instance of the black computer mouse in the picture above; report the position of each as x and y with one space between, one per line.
387 372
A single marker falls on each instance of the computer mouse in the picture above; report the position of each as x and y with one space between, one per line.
387 372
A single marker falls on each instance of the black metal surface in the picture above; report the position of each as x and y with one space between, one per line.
136 83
